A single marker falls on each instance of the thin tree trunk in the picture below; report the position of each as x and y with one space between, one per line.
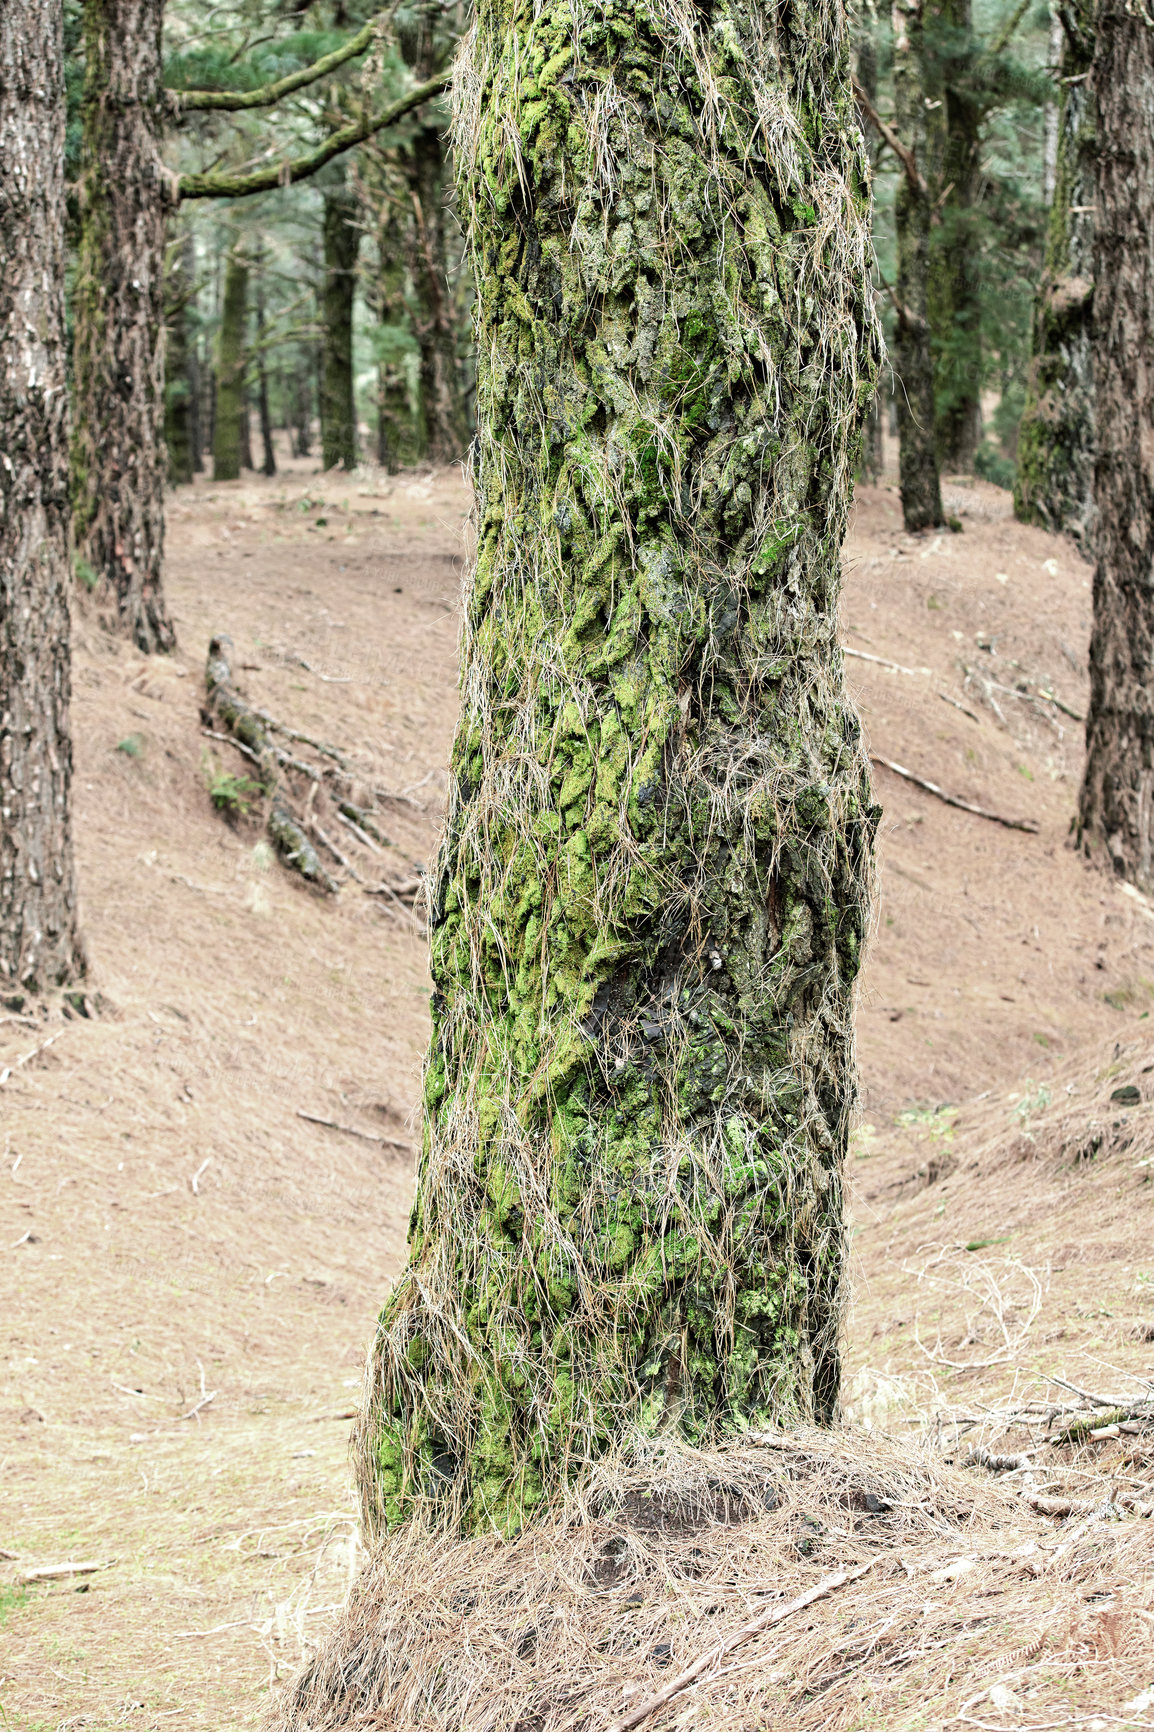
1116 811
342 239
268 455
1055 478
39 945
302 412
651 897
246 460
178 390
119 464
913 357
435 320
954 297
398 434
195 403
231 366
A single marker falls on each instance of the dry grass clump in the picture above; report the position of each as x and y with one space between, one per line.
973 1609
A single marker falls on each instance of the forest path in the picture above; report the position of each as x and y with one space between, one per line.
234 998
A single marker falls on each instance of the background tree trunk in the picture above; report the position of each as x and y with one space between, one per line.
268 454
912 355
119 463
954 297
1116 813
651 897
435 320
231 367
179 389
39 946
1055 478
342 239
872 461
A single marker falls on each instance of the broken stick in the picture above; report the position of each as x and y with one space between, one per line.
1026 824
775 1615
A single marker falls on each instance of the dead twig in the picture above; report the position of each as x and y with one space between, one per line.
1026 824
775 1615
60 1572
352 1131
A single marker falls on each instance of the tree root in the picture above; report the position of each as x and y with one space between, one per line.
294 820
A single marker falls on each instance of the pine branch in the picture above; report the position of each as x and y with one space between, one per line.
184 101
301 167
904 155
1004 35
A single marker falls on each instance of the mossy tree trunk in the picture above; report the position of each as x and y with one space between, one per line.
39 947
231 368
651 897
912 353
1055 479
342 239
119 461
1116 811
954 291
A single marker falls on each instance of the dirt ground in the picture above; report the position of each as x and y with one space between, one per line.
189 1271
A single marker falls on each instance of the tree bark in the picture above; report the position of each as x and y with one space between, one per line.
39 945
179 388
119 462
268 454
954 297
1055 480
231 367
913 357
872 461
342 239
651 896
1116 811
436 324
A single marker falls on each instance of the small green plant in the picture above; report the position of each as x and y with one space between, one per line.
1031 1104
228 793
132 746
935 1121
12 1598
85 572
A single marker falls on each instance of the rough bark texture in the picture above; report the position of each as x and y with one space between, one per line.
1116 814
39 947
229 424
179 383
342 239
119 463
955 255
444 433
872 460
651 897
1055 479
912 354
268 453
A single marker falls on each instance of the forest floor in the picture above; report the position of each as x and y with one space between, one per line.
189 1271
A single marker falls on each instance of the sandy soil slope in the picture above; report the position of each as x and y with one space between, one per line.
189 1270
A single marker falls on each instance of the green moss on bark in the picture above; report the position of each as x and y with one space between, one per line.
651 897
231 366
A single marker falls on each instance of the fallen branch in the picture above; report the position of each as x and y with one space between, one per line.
352 1131
775 1615
61 1572
1082 1506
194 1412
882 662
1026 824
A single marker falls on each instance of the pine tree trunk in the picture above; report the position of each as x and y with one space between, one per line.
118 457
302 412
954 299
1116 813
912 354
231 367
178 385
39 946
435 320
1055 480
342 239
651 897
398 442
872 461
